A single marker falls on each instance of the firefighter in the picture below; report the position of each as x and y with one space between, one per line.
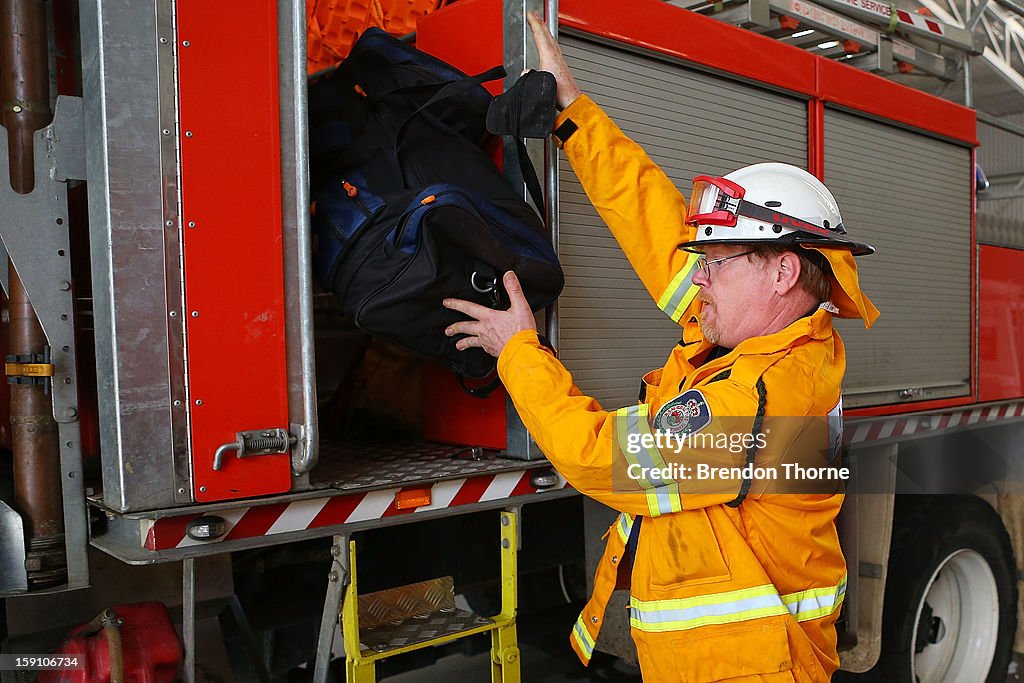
738 578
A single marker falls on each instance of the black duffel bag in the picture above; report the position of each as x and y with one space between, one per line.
408 206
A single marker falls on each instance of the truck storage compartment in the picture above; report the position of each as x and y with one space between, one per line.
206 317
388 418
690 122
920 275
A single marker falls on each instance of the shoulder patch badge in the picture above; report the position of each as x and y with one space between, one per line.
687 413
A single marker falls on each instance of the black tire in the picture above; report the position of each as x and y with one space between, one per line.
955 533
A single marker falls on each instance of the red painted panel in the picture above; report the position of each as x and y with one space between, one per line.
1002 323
850 87
683 34
975 264
453 416
909 407
467 35
816 138
234 282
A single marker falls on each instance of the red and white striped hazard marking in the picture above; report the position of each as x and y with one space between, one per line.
920 21
283 518
879 429
885 10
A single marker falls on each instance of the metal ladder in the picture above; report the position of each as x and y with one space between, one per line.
882 40
399 620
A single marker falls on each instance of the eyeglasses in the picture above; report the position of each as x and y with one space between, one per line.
705 265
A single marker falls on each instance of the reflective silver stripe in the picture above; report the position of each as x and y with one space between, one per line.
649 459
721 608
725 608
582 636
624 526
815 603
662 494
680 291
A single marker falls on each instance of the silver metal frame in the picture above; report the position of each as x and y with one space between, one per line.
1002 37
35 235
126 162
520 54
302 409
174 241
337 580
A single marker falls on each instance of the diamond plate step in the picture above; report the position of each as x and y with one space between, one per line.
410 615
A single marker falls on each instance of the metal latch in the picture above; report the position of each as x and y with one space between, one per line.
255 442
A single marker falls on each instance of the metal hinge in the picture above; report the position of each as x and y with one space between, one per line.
255 442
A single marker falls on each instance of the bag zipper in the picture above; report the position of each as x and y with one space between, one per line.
352 192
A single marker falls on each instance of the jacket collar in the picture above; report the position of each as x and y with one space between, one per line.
817 326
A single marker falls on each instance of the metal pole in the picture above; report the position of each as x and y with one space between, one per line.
975 17
551 179
25 103
188 617
968 85
336 581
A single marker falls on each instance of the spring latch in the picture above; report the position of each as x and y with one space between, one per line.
255 442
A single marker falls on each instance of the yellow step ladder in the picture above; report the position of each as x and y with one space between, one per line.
399 620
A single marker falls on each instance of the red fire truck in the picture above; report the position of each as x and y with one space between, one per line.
193 424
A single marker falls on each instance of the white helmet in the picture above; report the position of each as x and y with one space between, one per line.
774 203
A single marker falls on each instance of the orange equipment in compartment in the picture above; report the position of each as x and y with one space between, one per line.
332 26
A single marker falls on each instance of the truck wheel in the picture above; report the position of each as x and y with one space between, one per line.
950 608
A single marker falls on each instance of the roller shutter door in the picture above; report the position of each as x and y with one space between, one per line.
690 123
909 195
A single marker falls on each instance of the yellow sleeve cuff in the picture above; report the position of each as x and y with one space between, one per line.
520 340
573 112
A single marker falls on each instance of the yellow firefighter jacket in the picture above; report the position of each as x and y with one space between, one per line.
733 580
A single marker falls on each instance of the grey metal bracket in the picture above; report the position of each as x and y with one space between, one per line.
34 230
13 574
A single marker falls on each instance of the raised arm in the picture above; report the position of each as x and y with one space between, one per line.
634 197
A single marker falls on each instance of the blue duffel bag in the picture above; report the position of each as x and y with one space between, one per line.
408 207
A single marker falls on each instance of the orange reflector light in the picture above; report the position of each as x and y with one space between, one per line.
904 67
428 200
851 46
350 189
407 499
360 91
788 23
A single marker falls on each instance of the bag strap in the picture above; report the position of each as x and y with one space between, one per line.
459 87
484 390
529 175
451 90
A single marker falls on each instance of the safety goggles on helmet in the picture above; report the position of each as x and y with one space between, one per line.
719 201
